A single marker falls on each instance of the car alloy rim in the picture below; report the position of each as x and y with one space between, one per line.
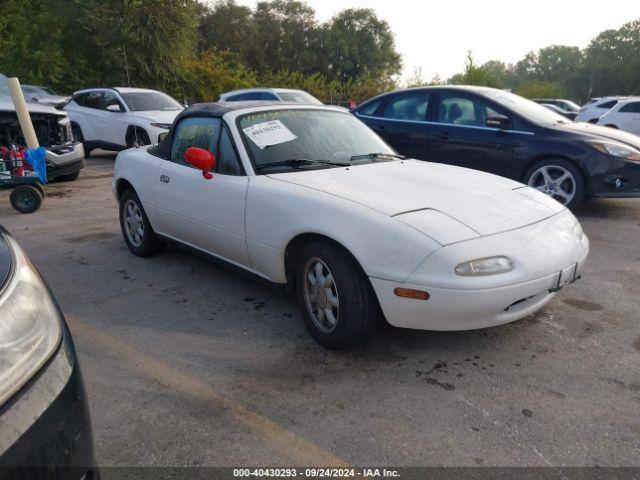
321 295
555 181
133 224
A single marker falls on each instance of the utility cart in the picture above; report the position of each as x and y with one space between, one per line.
27 192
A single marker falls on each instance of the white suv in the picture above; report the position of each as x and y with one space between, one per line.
119 118
624 116
596 107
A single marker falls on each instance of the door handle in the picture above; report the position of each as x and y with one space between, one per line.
164 179
444 135
102 120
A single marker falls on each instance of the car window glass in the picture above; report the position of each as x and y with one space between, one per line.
245 96
267 96
633 107
459 110
110 98
608 104
228 163
194 132
92 99
411 106
370 109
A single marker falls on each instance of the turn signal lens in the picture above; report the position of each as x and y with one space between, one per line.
484 266
410 293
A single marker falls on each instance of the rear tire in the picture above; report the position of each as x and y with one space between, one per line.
26 198
136 229
336 299
560 179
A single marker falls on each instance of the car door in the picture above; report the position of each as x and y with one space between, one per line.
86 113
115 123
205 213
460 135
401 120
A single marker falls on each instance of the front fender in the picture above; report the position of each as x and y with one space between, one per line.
279 211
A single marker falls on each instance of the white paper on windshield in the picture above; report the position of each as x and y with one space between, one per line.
269 133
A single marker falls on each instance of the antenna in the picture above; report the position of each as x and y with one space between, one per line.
126 68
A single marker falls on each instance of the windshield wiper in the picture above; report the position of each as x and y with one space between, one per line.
299 162
376 156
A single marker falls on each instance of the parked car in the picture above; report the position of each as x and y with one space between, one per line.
505 134
308 196
65 156
44 415
119 118
274 94
592 110
570 115
625 115
45 95
563 104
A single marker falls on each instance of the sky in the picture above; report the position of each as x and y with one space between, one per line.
435 36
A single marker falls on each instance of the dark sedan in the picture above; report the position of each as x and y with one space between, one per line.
45 430
502 133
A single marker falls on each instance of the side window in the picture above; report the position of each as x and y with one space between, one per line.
370 109
268 96
195 132
227 161
80 99
464 110
407 106
245 96
633 107
92 99
111 98
609 104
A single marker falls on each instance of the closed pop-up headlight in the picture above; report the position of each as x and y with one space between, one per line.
30 324
484 266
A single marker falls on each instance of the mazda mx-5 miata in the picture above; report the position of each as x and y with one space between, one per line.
310 197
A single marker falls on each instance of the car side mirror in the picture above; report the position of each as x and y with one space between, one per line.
498 121
114 107
202 160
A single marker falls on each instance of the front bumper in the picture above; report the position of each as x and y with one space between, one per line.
547 255
45 431
613 177
64 159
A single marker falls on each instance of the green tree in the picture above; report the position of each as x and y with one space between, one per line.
356 43
538 89
229 27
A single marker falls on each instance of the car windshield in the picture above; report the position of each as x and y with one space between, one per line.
307 138
532 111
298 96
146 101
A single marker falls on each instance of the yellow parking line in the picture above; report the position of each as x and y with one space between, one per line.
302 451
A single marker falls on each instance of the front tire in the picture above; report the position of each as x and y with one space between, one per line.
560 179
136 229
68 178
138 138
77 135
336 299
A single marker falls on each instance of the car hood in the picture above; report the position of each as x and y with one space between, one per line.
159 116
599 131
6 105
483 203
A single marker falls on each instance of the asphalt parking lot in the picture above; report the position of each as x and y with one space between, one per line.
188 363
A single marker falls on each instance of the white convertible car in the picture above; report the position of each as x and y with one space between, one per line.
310 197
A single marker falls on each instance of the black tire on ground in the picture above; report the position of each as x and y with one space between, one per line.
77 135
556 166
141 136
68 178
26 198
150 244
357 310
